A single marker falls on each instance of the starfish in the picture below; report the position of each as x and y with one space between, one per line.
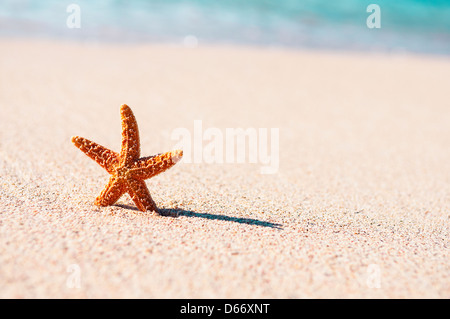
128 171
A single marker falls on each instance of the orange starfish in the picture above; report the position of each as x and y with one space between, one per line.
127 170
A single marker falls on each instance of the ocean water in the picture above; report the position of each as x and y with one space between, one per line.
405 25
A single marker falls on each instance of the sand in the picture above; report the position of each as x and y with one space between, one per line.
359 207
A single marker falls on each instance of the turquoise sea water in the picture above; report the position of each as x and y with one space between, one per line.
406 25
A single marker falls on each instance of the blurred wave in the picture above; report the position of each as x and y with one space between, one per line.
406 25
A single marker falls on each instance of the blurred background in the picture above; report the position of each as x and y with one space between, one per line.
419 26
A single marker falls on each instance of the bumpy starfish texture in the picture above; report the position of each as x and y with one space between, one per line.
128 171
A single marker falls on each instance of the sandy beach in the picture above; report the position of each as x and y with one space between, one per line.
358 208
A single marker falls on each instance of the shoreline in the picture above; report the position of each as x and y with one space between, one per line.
394 53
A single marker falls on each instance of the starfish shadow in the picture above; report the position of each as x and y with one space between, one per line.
125 206
250 221
171 212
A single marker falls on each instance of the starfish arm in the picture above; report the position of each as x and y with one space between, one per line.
103 156
130 136
111 193
140 195
151 166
